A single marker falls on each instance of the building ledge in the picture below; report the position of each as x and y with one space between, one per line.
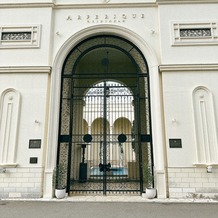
77 5
8 165
26 69
205 164
188 67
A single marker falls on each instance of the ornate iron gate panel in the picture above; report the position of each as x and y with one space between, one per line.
105 131
107 163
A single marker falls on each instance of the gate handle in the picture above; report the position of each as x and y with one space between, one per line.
104 167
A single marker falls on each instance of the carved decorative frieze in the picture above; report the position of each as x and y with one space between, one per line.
16 36
195 32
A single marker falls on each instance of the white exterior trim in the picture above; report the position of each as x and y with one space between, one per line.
55 101
188 67
178 40
33 42
24 69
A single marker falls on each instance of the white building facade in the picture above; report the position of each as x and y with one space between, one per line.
176 45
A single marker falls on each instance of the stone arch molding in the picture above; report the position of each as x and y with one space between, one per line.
205 126
138 41
9 120
61 56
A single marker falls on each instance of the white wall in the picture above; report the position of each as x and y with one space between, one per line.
178 112
33 91
19 17
68 22
154 26
186 13
26 179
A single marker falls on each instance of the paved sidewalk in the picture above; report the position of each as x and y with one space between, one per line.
108 207
119 199
132 199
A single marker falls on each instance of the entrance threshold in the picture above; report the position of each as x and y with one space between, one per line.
103 198
115 194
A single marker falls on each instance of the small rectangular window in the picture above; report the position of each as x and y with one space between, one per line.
16 36
194 33
19 36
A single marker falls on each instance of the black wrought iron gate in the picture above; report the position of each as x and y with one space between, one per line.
104 133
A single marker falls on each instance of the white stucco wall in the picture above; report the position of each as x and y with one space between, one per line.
186 13
25 179
62 22
68 22
187 175
193 183
19 17
179 116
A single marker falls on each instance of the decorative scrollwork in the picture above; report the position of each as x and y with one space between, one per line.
206 32
16 36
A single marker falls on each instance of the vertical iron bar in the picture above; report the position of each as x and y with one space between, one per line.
139 134
70 138
150 123
105 138
60 122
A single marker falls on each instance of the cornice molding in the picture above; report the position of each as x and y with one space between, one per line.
188 67
103 5
172 2
108 5
76 6
26 5
26 69
8 165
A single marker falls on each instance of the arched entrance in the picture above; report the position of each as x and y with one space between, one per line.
105 124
